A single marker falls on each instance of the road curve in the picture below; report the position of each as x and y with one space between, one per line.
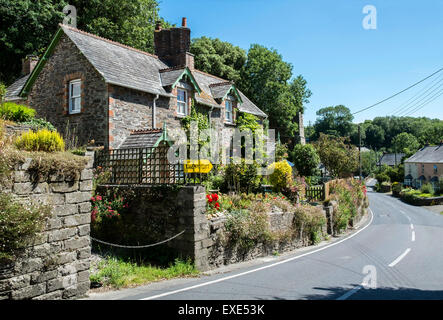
399 255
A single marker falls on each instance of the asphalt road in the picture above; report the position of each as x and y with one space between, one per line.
397 254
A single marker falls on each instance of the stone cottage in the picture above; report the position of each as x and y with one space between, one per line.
103 90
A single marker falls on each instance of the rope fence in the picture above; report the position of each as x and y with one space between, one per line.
138 247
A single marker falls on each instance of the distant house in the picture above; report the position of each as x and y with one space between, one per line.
426 165
390 159
105 91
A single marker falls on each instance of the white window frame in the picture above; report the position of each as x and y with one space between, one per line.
229 114
73 98
182 104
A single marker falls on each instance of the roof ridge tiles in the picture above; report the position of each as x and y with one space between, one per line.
107 40
220 84
208 74
172 69
146 131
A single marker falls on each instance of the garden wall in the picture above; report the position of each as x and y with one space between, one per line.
56 266
158 214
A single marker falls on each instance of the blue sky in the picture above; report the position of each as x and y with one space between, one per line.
327 44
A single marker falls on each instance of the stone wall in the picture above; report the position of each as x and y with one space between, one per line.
159 215
56 266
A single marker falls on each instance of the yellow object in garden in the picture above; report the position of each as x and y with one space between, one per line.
281 176
42 140
198 166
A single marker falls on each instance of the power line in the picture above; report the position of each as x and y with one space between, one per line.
375 104
421 99
418 95
435 96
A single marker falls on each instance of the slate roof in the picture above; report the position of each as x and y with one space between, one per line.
12 92
429 154
119 64
390 159
205 80
169 76
219 90
142 139
132 68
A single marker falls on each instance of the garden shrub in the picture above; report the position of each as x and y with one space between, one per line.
214 182
281 176
427 188
38 124
396 188
16 112
19 224
241 177
308 222
382 177
42 140
248 228
349 195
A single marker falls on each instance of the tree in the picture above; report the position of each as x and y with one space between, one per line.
374 136
219 58
306 159
339 157
28 26
406 143
266 81
335 121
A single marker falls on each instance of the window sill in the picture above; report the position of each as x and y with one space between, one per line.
230 124
180 116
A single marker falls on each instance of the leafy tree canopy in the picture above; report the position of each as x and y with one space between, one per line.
219 58
406 143
339 157
335 121
306 159
28 26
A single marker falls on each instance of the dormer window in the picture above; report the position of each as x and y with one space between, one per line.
75 96
182 102
228 111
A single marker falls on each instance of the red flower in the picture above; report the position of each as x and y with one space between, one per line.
215 197
92 199
99 198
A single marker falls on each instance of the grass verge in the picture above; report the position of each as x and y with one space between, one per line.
116 273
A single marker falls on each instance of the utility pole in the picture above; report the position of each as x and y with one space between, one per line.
359 150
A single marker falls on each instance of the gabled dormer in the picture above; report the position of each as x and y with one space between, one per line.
227 95
180 82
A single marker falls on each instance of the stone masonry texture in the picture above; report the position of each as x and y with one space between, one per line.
56 266
168 212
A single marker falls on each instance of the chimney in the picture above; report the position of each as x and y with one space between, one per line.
28 64
172 45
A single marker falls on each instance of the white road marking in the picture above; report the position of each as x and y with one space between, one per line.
257 269
393 263
413 236
350 292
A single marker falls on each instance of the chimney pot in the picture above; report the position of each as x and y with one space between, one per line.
184 24
158 26
29 63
